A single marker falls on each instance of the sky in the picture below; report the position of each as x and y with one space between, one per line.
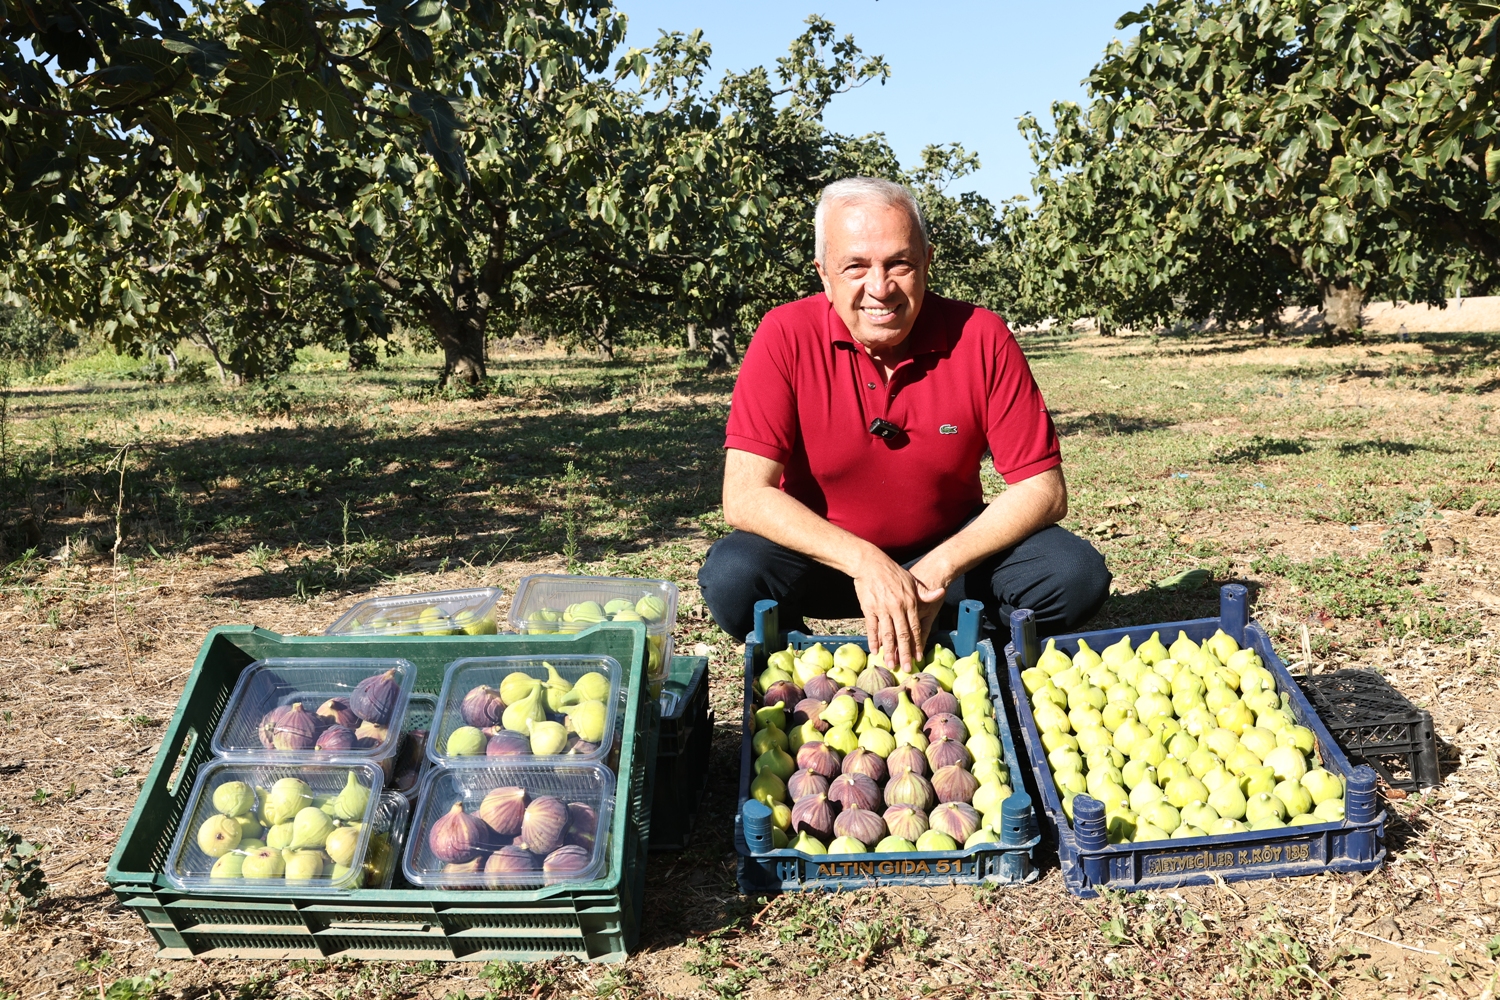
962 70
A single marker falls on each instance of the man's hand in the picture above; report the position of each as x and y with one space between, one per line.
898 608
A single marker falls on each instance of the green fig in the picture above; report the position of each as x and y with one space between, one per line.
516 686
279 836
264 863
303 865
234 798
771 715
894 845
587 720
466 741
352 801
548 738
1152 650
765 739
286 799
218 836
651 608
592 686
341 844
231 865
557 688
1086 658
310 829
518 715
777 762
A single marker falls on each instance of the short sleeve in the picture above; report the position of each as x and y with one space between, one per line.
1019 429
763 409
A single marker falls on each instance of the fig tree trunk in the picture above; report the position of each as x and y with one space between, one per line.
692 336
721 351
459 329
1343 305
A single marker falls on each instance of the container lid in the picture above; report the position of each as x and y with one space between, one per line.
560 708
307 708
276 827
552 603
511 827
443 612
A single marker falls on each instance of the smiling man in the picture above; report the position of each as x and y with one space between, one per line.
856 432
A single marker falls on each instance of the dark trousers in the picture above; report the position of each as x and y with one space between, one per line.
1055 573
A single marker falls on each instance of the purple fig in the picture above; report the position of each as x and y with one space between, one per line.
293 728
473 867
566 862
954 783
820 758
945 726
810 710
482 707
783 691
906 758
502 810
921 687
906 822
942 703
886 699
374 698
583 825
371 734
335 738
409 759
911 789
821 687
873 679
511 859
336 712
958 820
866 762
858 694
815 815
457 837
943 752
544 825
804 783
505 743
577 746
854 791
863 825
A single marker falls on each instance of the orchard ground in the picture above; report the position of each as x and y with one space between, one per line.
1355 488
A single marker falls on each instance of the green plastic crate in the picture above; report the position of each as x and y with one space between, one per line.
598 921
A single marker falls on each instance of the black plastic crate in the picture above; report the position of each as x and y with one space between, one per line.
681 754
1375 724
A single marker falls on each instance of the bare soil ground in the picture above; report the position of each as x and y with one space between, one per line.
1354 488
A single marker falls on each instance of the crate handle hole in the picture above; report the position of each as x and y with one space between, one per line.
179 771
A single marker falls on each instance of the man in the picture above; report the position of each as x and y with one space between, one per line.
855 436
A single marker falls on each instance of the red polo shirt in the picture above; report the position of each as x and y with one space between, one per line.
807 392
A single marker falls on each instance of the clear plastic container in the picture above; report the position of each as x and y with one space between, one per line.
230 815
550 603
406 767
289 708
442 612
489 714
552 812
387 841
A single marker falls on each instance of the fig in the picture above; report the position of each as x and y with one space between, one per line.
958 820
920 688
945 726
336 712
954 783
863 825
352 800
587 719
457 837
371 734
822 687
819 758
219 835
906 758
234 798
544 825
519 714
287 797
860 695
936 840
228 866
303 865
310 829
777 761
264 863
865 762
566 862
592 686
855 791
505 743
341 844
785 691
511 859
942 703
374 698
944 752
517 685
548 738
575 745
465 741
814 814
804 783
873 679
909 788
906 822
888 699
895 845
473 867
810 710
482 707
292 727
502 810
583 825
335 738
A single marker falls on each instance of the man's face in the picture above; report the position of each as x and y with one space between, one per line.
874 271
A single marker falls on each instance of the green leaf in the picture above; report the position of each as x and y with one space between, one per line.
206 58
255 88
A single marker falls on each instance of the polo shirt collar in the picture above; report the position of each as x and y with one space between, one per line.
928 335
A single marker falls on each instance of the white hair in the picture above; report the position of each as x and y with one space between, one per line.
860 191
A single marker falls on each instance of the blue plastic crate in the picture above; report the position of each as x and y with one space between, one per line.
1089 863
1006 863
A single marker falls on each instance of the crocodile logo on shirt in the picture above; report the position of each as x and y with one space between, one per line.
948 429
